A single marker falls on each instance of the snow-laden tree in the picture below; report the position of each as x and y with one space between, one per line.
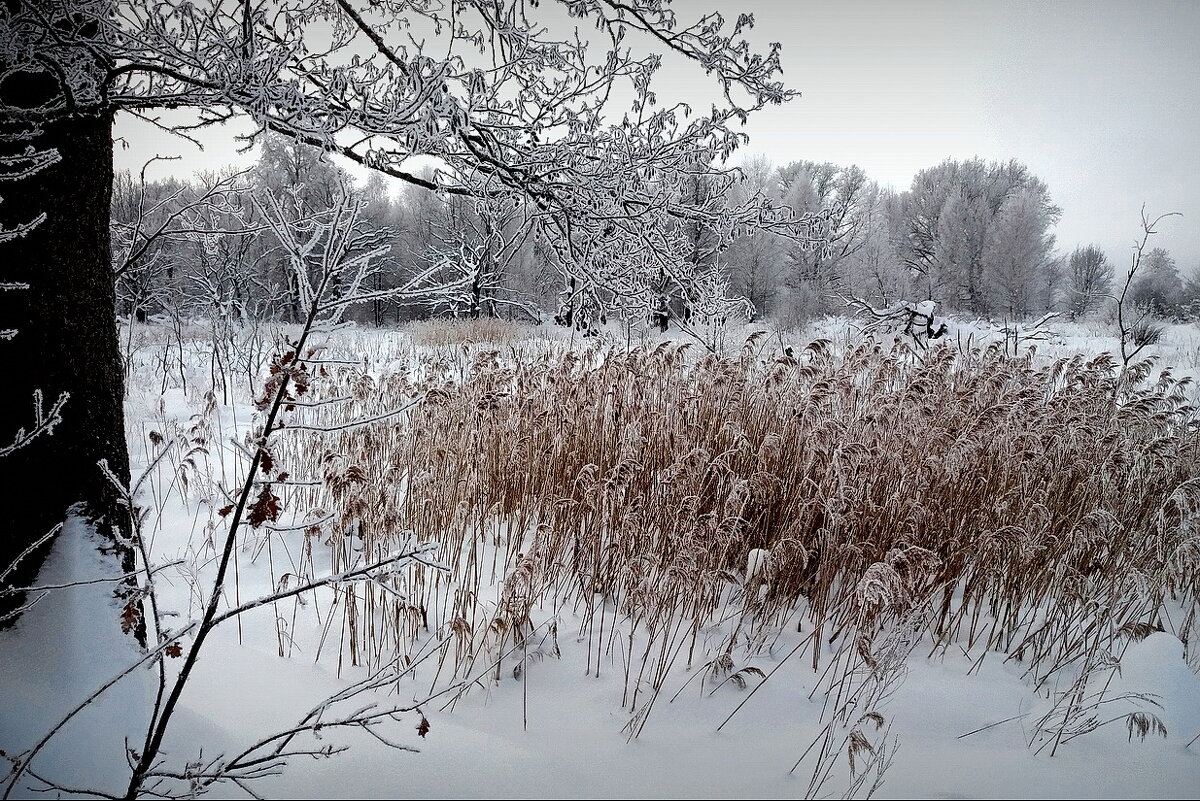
1158 288
874 271
844 194
1089 280
550 106
306 183
1018 254
478 244
159 226
756 262
949 213
515 101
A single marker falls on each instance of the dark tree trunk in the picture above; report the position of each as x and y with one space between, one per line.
66 340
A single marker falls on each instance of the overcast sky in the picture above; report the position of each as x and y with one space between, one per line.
1100 99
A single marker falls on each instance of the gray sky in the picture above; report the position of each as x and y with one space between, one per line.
1100 99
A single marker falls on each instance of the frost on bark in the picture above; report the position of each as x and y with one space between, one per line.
56 171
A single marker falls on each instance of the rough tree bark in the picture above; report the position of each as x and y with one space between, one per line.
66 338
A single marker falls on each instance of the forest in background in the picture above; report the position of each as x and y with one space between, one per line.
976 237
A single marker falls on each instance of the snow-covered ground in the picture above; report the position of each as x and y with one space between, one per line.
553 724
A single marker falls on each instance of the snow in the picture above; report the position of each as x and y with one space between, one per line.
64 648
963 727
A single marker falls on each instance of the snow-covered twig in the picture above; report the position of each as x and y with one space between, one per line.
359 423
39 542
44 422
415 554
87 582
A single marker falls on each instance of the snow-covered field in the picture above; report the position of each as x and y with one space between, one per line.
551 691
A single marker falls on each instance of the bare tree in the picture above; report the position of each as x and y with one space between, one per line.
142 222
335 253
1135 328
305 181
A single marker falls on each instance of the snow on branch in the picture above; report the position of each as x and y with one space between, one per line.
44 421
333 252
412 551
19 230
916 320
24 165
181 215
515 107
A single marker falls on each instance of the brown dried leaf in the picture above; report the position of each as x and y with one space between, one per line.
131 616
266 507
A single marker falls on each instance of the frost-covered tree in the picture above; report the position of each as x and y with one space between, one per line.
949 213
843 195
1158 287
168 235
56 179
755 262
1191 293
306 182
513 99
418 217
1018 253
958 249
874 272
478 245
382 212
1089 280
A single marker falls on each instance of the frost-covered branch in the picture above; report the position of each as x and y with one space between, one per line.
44 421
414 552
916 320
333 254
22 762
39 542
515 107
477 246
18 167
181 215
269 755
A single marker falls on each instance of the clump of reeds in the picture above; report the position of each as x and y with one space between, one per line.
1036 510
493 330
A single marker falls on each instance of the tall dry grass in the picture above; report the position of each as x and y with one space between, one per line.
687 509
492 330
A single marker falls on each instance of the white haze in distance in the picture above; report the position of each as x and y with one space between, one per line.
1100 99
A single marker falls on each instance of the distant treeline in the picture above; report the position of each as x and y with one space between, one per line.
975 236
